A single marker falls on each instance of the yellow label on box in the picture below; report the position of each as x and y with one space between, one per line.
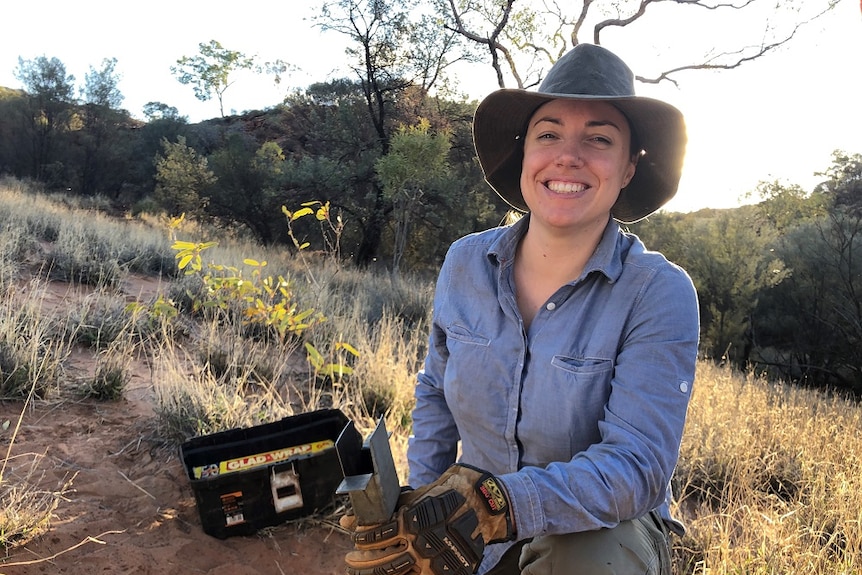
260 459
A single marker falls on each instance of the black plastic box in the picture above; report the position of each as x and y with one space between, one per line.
246 479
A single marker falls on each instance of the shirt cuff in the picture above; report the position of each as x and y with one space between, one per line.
527 513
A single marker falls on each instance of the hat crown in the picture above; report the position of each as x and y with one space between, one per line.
590 71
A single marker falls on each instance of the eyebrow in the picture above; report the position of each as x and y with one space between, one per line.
590 124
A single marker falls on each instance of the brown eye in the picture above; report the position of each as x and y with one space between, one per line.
602 141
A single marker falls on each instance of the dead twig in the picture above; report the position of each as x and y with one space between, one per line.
144 491
89 539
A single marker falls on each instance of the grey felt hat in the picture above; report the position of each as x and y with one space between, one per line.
586 72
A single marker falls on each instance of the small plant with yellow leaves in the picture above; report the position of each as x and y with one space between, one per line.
330 228
263 300
333 370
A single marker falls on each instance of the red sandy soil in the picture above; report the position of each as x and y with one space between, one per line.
130 508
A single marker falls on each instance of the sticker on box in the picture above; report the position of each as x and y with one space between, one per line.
231 504
267 458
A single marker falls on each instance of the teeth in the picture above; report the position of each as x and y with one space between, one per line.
567 187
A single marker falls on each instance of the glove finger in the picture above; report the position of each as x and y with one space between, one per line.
347 522
378 536
395 560
411 497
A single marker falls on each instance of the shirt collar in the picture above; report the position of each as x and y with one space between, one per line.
607 258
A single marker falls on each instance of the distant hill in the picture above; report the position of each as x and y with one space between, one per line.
10 92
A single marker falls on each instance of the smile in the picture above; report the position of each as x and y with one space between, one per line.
565 187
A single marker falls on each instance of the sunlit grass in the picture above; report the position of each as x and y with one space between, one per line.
769 479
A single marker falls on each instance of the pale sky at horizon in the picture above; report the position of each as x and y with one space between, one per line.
776 118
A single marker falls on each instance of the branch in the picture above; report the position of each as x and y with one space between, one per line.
88 539
739 57
621 22
491 41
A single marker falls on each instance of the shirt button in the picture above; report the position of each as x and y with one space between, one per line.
683 387
551 306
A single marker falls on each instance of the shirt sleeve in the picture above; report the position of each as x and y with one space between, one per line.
433 446
626 474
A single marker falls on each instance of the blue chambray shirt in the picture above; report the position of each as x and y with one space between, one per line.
581 417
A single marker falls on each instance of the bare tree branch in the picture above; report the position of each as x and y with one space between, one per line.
491 42
739 57
523 34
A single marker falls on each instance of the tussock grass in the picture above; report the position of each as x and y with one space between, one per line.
25 507
192 399
769 480
31 357
769 475
79 242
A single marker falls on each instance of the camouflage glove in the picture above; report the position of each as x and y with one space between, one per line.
439 529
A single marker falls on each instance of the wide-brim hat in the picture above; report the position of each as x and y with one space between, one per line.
586 72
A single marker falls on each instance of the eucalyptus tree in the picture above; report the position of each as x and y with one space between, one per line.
213 70
519 39
101 87
331 147
393 48
731 261
210 72
105 156
842 234
390 50
250 187
415 160
46 116
183 179
155 110
811 324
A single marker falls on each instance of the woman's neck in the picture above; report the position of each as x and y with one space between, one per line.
545 262
558 254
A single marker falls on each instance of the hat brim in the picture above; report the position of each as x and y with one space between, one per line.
500 123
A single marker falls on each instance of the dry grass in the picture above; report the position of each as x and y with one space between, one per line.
26 508
769 480
769 475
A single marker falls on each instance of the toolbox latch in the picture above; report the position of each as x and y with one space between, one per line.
286 493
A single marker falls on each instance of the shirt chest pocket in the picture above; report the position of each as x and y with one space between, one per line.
460 335
583 368
583 385
468 353
562 408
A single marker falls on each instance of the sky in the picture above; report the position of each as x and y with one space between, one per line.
778 118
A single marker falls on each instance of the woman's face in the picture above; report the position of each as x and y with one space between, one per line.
576 161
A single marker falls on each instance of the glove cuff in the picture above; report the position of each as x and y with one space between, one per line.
495 515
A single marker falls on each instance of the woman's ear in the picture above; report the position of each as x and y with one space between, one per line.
630 169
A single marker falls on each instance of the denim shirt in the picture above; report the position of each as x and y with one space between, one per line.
582 415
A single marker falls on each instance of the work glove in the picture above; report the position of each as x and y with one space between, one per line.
440 529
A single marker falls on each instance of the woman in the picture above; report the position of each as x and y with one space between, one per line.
562 352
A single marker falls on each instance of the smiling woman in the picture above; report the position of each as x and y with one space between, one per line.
561 351
577 158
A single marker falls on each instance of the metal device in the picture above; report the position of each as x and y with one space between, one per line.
370 479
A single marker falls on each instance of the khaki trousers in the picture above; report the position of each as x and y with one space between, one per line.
637 547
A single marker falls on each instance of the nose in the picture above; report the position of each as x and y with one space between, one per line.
570 155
